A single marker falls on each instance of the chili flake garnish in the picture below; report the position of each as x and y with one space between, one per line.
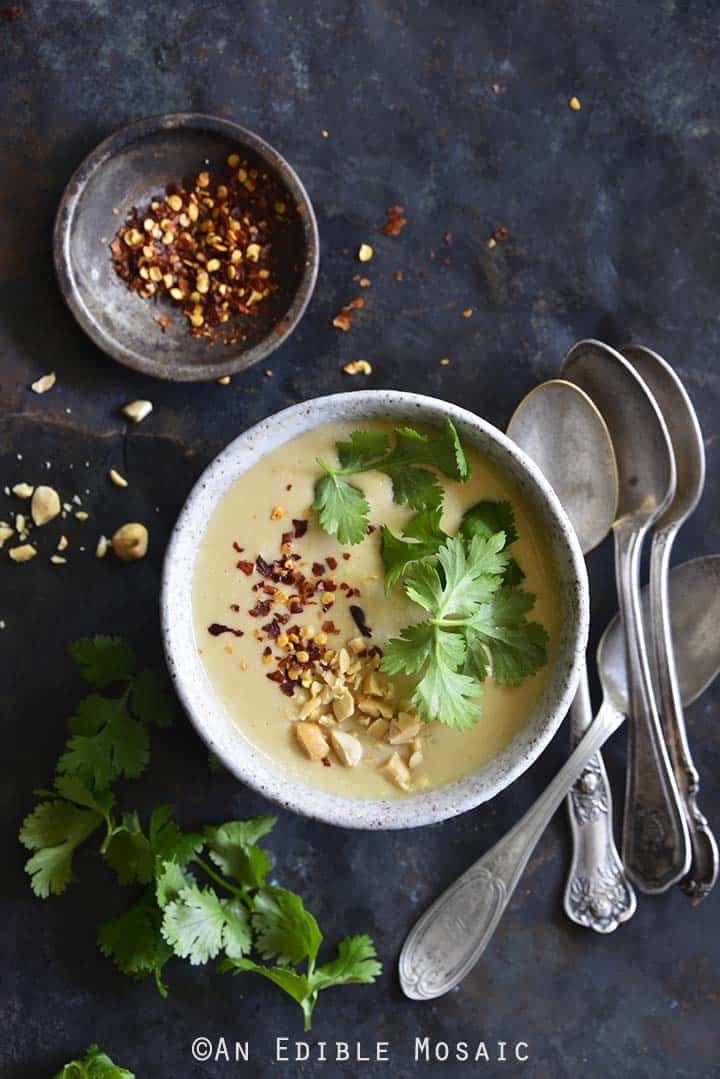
207 248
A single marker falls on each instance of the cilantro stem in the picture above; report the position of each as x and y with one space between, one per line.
351 470
240 893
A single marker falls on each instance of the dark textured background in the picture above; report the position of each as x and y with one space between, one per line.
613 216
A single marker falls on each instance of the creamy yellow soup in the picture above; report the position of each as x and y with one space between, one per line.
252 519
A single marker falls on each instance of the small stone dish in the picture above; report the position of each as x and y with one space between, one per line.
208 714
130 168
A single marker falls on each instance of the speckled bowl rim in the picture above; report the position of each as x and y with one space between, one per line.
232 362
207 712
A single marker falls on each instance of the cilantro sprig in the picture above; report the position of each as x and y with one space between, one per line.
476 621
201 895
342 507
94 1065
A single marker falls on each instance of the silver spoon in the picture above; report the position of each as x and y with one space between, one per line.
689 450
561 429
449 938
655 842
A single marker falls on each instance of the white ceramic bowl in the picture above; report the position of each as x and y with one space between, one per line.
207 712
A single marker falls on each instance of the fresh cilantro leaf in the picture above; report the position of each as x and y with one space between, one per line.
356 962
74 790
133 855
486 518
232 847
518 648
295 985
107 742
54 830
170 880
284 929
443 693
362 450
447 650
129 852
151 698
424 530
134 943
513 574
103 660
94 1065
342 509
197 925
408 653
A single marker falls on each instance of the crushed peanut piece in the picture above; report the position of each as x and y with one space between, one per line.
23 490
5 533
81 515
101 548
398 772
137 410
358 367
62 543
22 554
45 505
224 381
116 478
347 748
312 740
130 542
42 385
58 560
467 312
365 252
574 104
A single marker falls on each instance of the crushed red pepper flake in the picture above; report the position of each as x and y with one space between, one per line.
208 249
342 321
500 233
245 567
399 276
395 221
331 562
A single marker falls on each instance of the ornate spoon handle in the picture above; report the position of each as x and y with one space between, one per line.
597 894
447 941
704 863
655 842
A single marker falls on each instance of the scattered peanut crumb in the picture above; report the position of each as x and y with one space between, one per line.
62 543
365 252
116 478
81 515
500 233
358 367
364 282
268 373
42 385
101 547
224 381
58 560
45 505
137 410
467 312
22 490
574 104
324 133
491 242
23 553
342 321
130 542
444 361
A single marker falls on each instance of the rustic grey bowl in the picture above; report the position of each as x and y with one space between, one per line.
128 169
207 712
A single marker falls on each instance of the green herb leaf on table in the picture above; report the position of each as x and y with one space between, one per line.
94 1065
151 698
54 831
198 925
103 660
343 509
233 848
134 942
285 930
107 742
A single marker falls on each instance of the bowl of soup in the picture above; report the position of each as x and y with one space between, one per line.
374 609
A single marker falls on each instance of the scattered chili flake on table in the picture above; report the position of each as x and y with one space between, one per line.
207 248
500 233
395 221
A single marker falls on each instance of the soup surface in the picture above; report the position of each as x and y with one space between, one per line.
266 513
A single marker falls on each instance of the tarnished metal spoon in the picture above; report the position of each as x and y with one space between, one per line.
689 451
655 842
450 937
561 429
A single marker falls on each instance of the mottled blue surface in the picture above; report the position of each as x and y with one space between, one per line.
613 215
